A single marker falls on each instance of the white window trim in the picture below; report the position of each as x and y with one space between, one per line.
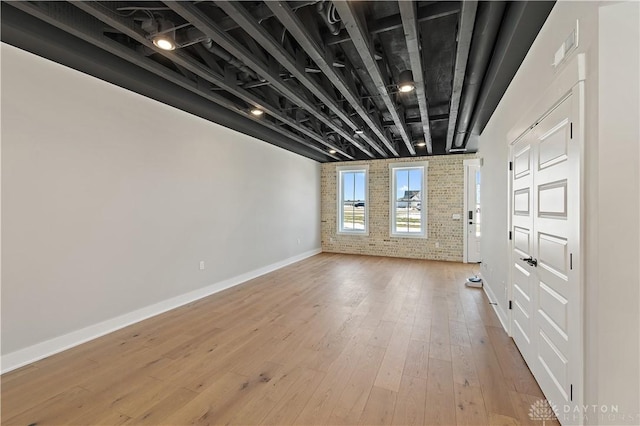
424 205
339 230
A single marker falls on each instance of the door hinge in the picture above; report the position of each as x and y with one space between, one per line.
510 235
571 393
510 165
571 131
571 261
510 304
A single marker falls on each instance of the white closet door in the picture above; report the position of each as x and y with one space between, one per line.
546 306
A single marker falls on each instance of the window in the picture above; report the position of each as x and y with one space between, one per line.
353 210
408 203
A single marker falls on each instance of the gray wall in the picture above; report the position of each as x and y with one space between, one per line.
110 200
609 36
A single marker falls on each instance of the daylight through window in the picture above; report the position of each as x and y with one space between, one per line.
352 200
408 199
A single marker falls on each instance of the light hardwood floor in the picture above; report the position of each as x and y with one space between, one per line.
334 339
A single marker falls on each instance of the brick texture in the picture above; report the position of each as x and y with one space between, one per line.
445 188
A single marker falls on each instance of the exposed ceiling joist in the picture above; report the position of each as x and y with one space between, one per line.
411 33
425 13
280 57
246 21
361 41
417 120
260 13
109 17
68 18
192 14
320 56
465 31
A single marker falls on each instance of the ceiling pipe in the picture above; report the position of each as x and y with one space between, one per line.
466 22
489 17
327 11
227 57
522 22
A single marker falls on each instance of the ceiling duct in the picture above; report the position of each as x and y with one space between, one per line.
327 10
485 32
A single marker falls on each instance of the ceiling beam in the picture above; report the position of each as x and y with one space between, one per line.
412 36
417 120
69 19
361 40
322 58
109 17
260 13
201 21
248 23
465 31
425 13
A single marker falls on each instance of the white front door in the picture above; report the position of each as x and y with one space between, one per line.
472 211
546 323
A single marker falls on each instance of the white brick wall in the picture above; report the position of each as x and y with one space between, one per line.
445 185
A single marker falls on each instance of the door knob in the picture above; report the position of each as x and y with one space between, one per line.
530 260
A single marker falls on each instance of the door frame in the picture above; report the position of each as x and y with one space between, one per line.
467 163
569 82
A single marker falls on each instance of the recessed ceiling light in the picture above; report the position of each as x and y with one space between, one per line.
164 42
257 112
332 151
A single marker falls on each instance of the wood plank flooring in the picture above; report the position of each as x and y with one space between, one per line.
334 339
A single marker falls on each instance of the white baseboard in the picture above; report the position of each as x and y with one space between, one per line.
492 298
36 352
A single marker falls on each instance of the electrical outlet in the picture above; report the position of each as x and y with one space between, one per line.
437 244
298 241
202 265
331 239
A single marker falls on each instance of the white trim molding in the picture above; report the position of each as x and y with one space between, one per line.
340 203
22 357
424 198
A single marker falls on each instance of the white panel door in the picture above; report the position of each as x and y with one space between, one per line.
546 294
522 247
556 215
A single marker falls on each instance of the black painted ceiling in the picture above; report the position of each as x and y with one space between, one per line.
325 73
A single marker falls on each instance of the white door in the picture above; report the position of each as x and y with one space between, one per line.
472 211
522 247
546 323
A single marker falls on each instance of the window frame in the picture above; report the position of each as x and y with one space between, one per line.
424 165
340 200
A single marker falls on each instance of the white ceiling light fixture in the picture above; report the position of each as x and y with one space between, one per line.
163 33
405 82
257 112
421 144
332 151
359 132
164 42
